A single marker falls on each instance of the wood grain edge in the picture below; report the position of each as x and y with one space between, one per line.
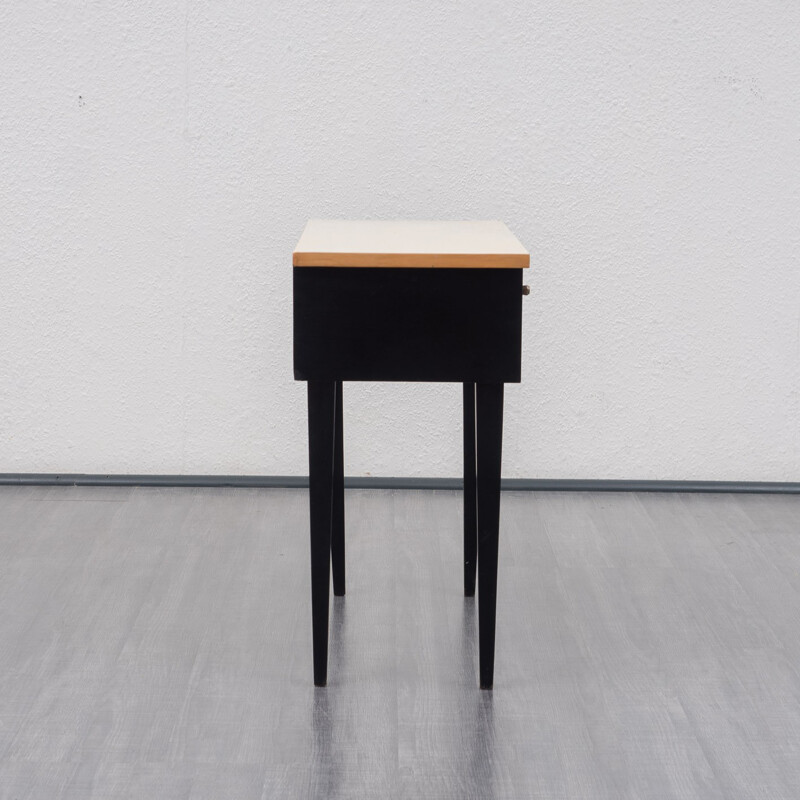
441 260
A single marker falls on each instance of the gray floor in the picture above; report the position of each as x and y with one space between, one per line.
156 644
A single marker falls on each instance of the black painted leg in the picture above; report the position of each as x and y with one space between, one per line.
470 499
321 415
337 531
489 415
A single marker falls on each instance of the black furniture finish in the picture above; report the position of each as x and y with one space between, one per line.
454 321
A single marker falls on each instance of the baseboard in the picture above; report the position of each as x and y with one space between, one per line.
370 482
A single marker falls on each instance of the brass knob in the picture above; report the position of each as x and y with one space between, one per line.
526 290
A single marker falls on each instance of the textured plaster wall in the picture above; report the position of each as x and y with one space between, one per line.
159 160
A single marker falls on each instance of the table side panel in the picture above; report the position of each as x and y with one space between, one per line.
408 324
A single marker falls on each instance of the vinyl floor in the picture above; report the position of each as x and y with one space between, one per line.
156 643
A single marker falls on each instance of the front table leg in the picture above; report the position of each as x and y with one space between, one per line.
489 418
321 427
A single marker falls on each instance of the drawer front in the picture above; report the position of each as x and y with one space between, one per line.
407 324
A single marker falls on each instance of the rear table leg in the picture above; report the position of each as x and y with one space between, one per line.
470 499
337 532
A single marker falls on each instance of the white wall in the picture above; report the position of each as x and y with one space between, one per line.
159 160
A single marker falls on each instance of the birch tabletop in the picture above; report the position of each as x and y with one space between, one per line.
409 243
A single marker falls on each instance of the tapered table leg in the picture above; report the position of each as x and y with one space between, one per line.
470 499
337 531
321 424
489 418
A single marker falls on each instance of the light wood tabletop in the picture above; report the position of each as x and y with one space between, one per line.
409 243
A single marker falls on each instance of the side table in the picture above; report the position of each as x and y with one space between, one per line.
407 301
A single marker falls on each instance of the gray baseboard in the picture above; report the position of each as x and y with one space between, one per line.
301 482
